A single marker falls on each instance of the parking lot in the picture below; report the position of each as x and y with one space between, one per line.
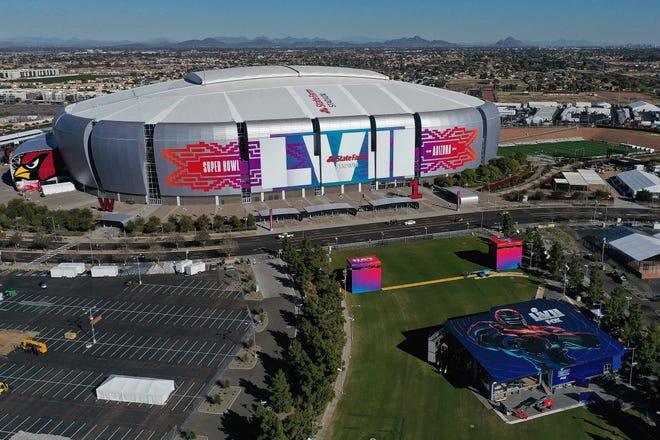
171 327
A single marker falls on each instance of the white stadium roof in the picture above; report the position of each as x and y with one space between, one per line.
264 93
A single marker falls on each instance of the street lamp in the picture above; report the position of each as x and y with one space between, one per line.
565 271
426 230
91 322
632 364
139 270
602 254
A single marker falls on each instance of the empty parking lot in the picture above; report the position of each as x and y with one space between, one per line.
170 327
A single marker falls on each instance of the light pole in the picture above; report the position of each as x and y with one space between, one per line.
382 237
139 270
91 322
632 364
602 255
565 272
426 231
595 210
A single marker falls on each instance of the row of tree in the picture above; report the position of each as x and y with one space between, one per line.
186 223
497 169
304 388
27 216
621 318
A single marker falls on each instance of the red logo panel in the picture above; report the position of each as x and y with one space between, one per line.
205 166
449 149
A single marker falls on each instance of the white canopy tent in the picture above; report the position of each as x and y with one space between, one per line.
135 389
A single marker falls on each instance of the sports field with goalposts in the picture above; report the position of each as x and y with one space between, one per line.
567 149
390 392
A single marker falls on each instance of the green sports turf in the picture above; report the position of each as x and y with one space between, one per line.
390 391
567 149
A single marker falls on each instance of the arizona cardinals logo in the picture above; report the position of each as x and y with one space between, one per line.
37 165
449 149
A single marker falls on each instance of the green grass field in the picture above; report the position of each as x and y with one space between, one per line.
390 391
567 149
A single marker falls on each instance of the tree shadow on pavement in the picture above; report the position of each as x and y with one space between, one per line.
271 364
253 389
237 427
281 339
288 317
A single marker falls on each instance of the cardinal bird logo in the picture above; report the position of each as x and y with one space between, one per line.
37 165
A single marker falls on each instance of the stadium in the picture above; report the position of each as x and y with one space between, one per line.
262 133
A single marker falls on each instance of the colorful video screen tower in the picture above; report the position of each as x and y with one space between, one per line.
363 274
505 253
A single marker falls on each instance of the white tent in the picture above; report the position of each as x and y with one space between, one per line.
135 389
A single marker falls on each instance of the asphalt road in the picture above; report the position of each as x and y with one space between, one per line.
347 231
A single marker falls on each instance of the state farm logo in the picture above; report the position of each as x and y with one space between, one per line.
322 101
346 160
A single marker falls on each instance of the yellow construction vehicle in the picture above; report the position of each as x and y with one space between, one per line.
3 387
33 346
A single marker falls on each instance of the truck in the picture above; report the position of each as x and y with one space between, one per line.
33 346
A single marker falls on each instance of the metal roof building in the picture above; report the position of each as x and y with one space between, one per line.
233 135
630 182
639 251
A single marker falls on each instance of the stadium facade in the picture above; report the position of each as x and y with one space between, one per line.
266 132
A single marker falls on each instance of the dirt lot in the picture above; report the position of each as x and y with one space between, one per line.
610 135
10 339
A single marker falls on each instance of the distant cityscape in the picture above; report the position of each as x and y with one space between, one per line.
532 86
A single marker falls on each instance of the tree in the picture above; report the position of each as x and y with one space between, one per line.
643 195
42 241
203 223
647 352
280 393
152 225
633 325
508 226
186 224
235 222
15 239
228 246
251 220
201 237
557 261
612 321
218 222
596 287
269 426
575 275
135 226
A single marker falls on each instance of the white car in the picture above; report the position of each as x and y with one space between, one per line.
284 235
409 222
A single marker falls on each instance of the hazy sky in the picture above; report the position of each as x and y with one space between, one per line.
467 21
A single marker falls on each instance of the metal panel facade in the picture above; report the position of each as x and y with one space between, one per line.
395 148
118 153
71 134
282 155
198 159
451 141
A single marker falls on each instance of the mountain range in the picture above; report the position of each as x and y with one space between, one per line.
288 42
